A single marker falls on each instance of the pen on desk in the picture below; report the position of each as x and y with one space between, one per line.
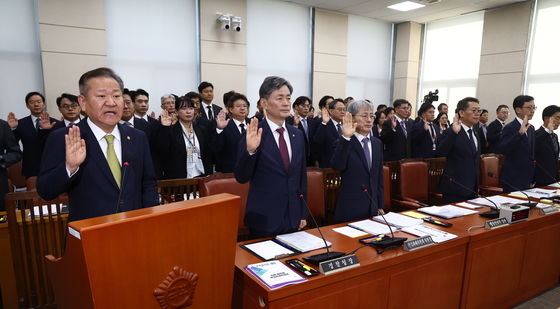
281 256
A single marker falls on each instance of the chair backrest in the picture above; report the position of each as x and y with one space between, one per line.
316 193
387 189
490 171
175 190
435 170
14 174
36 230
332 183
226 183
414 180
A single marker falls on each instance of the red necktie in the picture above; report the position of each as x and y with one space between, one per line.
283 149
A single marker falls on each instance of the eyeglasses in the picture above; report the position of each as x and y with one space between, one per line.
240 105
341 109
532 108
71 106
475 110
365 116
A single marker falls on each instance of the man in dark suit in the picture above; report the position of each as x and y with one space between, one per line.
481 129
494 132
328 131
307 125
141 103
518 147
359 157
460 146
103 166
26 130
424 134
272 158
208 110
546 147
70 109
128 118
395 131
9 154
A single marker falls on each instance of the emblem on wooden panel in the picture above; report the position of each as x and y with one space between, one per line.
177 290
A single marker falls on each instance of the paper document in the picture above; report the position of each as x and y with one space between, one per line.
498 199
543 205
414 214
554 185
469 205
534 193
274 274
423 230
349 231
269 249
302 241
447 211
371 227
398 220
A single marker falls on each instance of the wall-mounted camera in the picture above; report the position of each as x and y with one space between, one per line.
236 23
224 20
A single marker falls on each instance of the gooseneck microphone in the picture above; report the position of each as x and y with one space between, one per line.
124 168
387 242
491 214
321 257
528 203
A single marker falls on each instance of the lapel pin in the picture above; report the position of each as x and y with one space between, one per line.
128 137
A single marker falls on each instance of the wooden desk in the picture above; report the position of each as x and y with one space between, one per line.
479 269
7 275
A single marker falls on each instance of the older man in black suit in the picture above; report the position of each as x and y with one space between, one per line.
546 147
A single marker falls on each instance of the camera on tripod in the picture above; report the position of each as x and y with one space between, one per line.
431 97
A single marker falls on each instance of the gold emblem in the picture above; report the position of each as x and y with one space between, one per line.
128 137
177 290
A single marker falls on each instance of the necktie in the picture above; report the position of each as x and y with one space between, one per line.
554 142
37 124
242 126
129 124
471 138
339 128
114 164
367 154
403 125
432 132
283 149
71 124
210 116
304 124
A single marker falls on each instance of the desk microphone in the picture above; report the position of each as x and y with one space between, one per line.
321 257
387 242
528 203
125 165
492 214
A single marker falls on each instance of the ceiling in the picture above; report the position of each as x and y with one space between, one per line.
378 8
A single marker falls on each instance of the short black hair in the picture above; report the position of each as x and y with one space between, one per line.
501 106
272 83
483 111
424 108
126 91
520 100
463 104
388 110
137 92
234 97
301 100
399 102
381 106
332 104
184 102
29 95
441 115
550 110
99 72
378 115
323 101
71 97
227 95
191 95
440 106
204 85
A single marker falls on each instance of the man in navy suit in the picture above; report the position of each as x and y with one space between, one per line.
482 131
9 154
395 131
272 158
306 123
424 134
494 132
460 145
359 157
518 147
27 129
208 110
546 147
128 118
70 109
103 166
328 132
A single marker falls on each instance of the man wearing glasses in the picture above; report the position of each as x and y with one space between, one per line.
518 147
70 110
395 131
328 131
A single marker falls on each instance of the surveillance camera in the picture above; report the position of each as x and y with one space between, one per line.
236 23
225 20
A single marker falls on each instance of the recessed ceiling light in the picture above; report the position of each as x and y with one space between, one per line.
406 6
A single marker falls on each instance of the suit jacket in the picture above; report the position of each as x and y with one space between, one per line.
493 136
518 169
482 141
171 143
150 128
421 141
9 154
462 167
352 202
92 190
27 133
42 135
225 146
546 170
215 110
323 142
397 145
274 205
312 125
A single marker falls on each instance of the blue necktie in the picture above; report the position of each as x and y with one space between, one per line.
367 154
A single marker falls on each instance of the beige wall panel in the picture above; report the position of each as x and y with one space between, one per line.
333 84
224 53
405 88
72 40
495 89
415 41
408 69
210 28
506 29
225 78
402 42
61 73
77 13
329 63
331 31
502 63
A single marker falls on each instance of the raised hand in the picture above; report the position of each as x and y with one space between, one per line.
297 119
426 125
551 124
524 126
456 126
166 119
348 126
302 224
173 118
12 120
325 115
45 122
221 121
393 121
253 136
153 115
75 149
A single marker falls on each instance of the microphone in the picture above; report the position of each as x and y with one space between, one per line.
491 214
321 257
528 203
124 168
387 242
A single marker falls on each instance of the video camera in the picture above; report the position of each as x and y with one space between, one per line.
431 97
